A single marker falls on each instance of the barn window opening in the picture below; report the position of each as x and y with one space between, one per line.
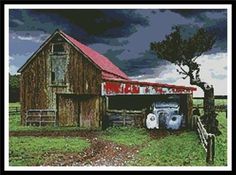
58 70
58 48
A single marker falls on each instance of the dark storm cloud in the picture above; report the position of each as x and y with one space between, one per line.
90 26
123 36
213 20
105 23
136 66
105 26
188 13
219 28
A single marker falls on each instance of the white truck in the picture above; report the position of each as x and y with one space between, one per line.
165 115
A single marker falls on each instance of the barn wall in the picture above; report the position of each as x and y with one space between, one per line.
83 76
90 112
67 110
102 108
34 85
36 88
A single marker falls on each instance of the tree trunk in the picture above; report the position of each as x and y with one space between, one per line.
209 111
210 115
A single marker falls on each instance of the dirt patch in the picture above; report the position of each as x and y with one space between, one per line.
161 133
84 134
100 153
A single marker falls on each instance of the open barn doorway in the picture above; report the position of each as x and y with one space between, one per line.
176 106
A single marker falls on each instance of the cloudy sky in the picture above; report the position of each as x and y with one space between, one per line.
124 36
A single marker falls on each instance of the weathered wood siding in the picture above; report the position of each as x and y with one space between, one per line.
79 110
84 77
36 88
89 112
186 106
102 113
34 84
189 102
67 108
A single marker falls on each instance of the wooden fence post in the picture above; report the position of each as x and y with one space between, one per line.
207 140
210 149
194 122
40 118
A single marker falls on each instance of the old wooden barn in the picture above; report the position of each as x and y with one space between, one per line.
80 87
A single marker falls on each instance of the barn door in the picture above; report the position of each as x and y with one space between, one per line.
68 112
89 112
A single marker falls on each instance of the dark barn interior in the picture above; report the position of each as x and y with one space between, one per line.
144 102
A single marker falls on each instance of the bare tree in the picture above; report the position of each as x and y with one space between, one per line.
184 52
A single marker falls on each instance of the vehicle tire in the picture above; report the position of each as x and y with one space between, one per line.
174 122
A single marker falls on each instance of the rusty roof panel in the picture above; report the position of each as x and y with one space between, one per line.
120 87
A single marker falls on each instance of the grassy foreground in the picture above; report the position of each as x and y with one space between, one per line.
172 150
183 150
26 151
126 135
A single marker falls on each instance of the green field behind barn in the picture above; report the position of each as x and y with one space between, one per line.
168 149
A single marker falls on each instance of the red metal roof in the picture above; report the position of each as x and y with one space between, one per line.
103 62
107 75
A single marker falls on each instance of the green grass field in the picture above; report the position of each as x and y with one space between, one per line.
221 141
26 151
173 150
16 104
181 150
126 135
218 102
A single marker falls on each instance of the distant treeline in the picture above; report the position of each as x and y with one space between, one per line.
14 88
216 97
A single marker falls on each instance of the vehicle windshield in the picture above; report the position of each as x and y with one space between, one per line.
166 105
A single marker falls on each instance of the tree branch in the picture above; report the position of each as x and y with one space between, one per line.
194 59
184 71
185 77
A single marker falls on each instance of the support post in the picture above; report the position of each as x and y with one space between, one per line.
189 116
40 118
123 114
107 103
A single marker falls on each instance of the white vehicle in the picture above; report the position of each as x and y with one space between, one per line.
164 114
